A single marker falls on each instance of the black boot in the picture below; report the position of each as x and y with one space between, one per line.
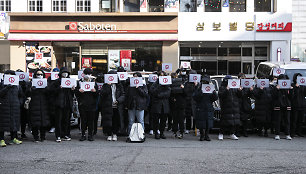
157 136
90 138
83 137
162 136
206 136
202 135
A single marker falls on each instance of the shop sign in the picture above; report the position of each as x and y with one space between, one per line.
274 27
86 62
113 59
83 26
38 57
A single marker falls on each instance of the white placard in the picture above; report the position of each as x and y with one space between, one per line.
81 74
233 83
185 64
153 77
165 80
136 81
23 76
122 75
87 86
207 88
11 80
166 67
68 82
110 78
262 83
247 83
195 78
126 63
100 85
301 81
1 76
278 71
284 84
39 83
54 75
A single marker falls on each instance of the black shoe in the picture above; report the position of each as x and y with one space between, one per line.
202 138
207 138
162 136
157 136
83 138
90 138
180 136
238 134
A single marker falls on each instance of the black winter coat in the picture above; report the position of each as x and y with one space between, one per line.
298 97
281 98
63 97
190 104
87 101
245 103
9 107
106 101
137 97
204 113
160 98
230 106
39 113
263 104
178 94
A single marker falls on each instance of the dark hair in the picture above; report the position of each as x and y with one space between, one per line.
87 71
138 74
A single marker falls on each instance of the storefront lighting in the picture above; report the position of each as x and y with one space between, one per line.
133 60
158 62
99 61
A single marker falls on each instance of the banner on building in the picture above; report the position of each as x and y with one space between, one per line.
113 59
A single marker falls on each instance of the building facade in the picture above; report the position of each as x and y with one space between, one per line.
216 36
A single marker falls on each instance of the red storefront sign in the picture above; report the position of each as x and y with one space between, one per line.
274 27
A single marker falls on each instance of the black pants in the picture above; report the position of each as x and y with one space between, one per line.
42 131
95 129
13 135
87 121
160 122
170 121
262 125
178 119
151 121
23 119
281 116
52 114
297 117
62 123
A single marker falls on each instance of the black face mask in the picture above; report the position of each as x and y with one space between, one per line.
99 80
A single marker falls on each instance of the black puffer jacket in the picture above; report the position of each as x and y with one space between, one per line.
87 100
298 94
204 108
178 94
137 97
230 105
39 115
9 107
263 104
245 103
160 98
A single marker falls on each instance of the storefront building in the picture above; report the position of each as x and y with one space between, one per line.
97 40
229 37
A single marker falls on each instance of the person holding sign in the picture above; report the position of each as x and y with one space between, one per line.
52 107
263 107
99 82
63 100
151 115
38 108
87 98
204 113
190 104
136 102
112 97
281 108
298 99
160 106
10 111
230 108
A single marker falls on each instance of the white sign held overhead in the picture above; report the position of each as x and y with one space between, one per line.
11 80
233 83
68 82
110 78
23 76
207 89
167 67
153 77
278 71
165 80
87 86
301 81
262 83
284 84
247 83
195 78
54 75
81 74
100 85
39 83
122 75
185 64
136 81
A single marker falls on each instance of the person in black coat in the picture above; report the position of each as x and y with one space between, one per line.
282 108
39 114
230 108
149 101
190 104
177 105
263 109
123 113
112 97
63 100
87 105
204 113
99 80
298 106
245 107
160 106
136 102
10 110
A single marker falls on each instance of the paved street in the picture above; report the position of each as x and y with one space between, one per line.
247 155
